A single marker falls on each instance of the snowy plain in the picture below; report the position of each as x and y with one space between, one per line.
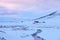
21 28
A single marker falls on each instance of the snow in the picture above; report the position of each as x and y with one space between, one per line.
14 28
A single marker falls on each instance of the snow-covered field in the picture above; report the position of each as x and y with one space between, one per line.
22 29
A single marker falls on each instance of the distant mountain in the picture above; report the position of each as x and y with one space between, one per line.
5 11
2 8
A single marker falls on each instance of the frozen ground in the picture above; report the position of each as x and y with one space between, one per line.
22 28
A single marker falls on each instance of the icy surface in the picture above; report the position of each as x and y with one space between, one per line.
23 28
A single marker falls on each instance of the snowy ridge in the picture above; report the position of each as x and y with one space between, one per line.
49 15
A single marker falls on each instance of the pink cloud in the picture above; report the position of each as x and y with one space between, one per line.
30 4
18 4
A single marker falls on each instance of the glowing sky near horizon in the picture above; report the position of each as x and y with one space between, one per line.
30 4
16 7
18 4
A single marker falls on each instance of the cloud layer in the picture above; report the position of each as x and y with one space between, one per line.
30 4
15 6
18 4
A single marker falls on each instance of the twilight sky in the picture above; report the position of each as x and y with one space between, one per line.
30 4
13 6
